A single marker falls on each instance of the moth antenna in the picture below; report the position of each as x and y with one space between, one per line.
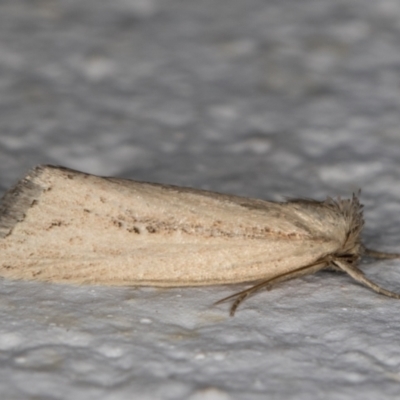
236 303
359 276
379 254
242 295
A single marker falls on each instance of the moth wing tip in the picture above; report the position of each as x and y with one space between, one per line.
18 199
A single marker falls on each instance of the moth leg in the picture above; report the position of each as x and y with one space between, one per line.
241 296
359 276
380 254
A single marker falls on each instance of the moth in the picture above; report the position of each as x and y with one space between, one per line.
62 225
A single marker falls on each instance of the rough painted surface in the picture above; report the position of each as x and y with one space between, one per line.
260 99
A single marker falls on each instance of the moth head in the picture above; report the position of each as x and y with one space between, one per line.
351 211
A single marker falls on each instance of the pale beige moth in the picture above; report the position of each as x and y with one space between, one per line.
61 225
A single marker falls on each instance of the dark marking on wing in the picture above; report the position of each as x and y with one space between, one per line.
17 200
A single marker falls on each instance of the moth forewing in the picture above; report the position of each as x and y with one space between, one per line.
119 232
61 225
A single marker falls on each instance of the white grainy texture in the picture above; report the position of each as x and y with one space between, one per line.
253 98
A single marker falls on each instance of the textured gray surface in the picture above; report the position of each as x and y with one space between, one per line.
265 99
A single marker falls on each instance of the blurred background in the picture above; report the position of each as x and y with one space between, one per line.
270 99
252 96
